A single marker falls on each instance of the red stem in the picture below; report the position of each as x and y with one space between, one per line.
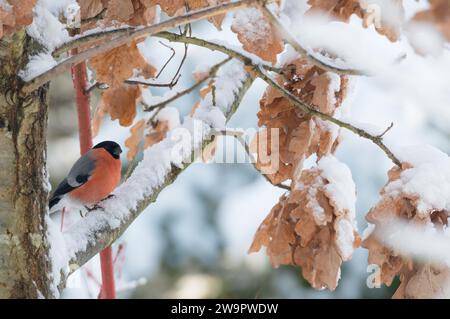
79 78
108 285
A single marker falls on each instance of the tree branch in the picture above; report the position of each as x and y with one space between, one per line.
98 232
259 71
300 49
125 36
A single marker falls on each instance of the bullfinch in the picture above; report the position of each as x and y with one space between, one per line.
93 176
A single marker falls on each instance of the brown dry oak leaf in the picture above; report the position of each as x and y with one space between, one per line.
178 7
135 139
309 227
117 65
387 16
294 135
120 102
419 278
339 9
91 8
156 133
257 35
438 14
14 15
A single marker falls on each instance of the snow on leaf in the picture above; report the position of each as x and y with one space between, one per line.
257 34
438 14
310 227
417 194
118 64
386 16
134 140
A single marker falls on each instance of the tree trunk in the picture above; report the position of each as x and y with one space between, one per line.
24 262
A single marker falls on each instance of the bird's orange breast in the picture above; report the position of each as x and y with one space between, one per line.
104 179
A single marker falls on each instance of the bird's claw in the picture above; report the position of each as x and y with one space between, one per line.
94 207
108 197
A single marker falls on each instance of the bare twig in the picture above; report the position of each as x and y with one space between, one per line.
170 85
96 85
212 73
126 36
259 71
300 49
168 61
386 130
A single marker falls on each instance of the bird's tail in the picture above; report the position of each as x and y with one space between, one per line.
53 201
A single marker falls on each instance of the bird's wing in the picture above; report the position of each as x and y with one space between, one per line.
81 171
79 174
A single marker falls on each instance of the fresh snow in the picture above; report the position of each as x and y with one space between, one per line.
171 115
341 188
46 28
429 178
37 65
341 191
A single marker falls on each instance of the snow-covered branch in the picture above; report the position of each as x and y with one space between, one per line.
161 165
124 36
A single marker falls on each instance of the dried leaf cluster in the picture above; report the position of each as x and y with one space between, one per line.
308 228
386 17
300 134
419 278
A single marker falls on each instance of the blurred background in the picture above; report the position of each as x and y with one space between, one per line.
192 243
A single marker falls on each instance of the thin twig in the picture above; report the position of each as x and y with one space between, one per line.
386 130
167 62
212 72
170 85
126 36
96 85
259 71
300 49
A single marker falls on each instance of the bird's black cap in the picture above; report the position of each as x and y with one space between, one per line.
112 147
